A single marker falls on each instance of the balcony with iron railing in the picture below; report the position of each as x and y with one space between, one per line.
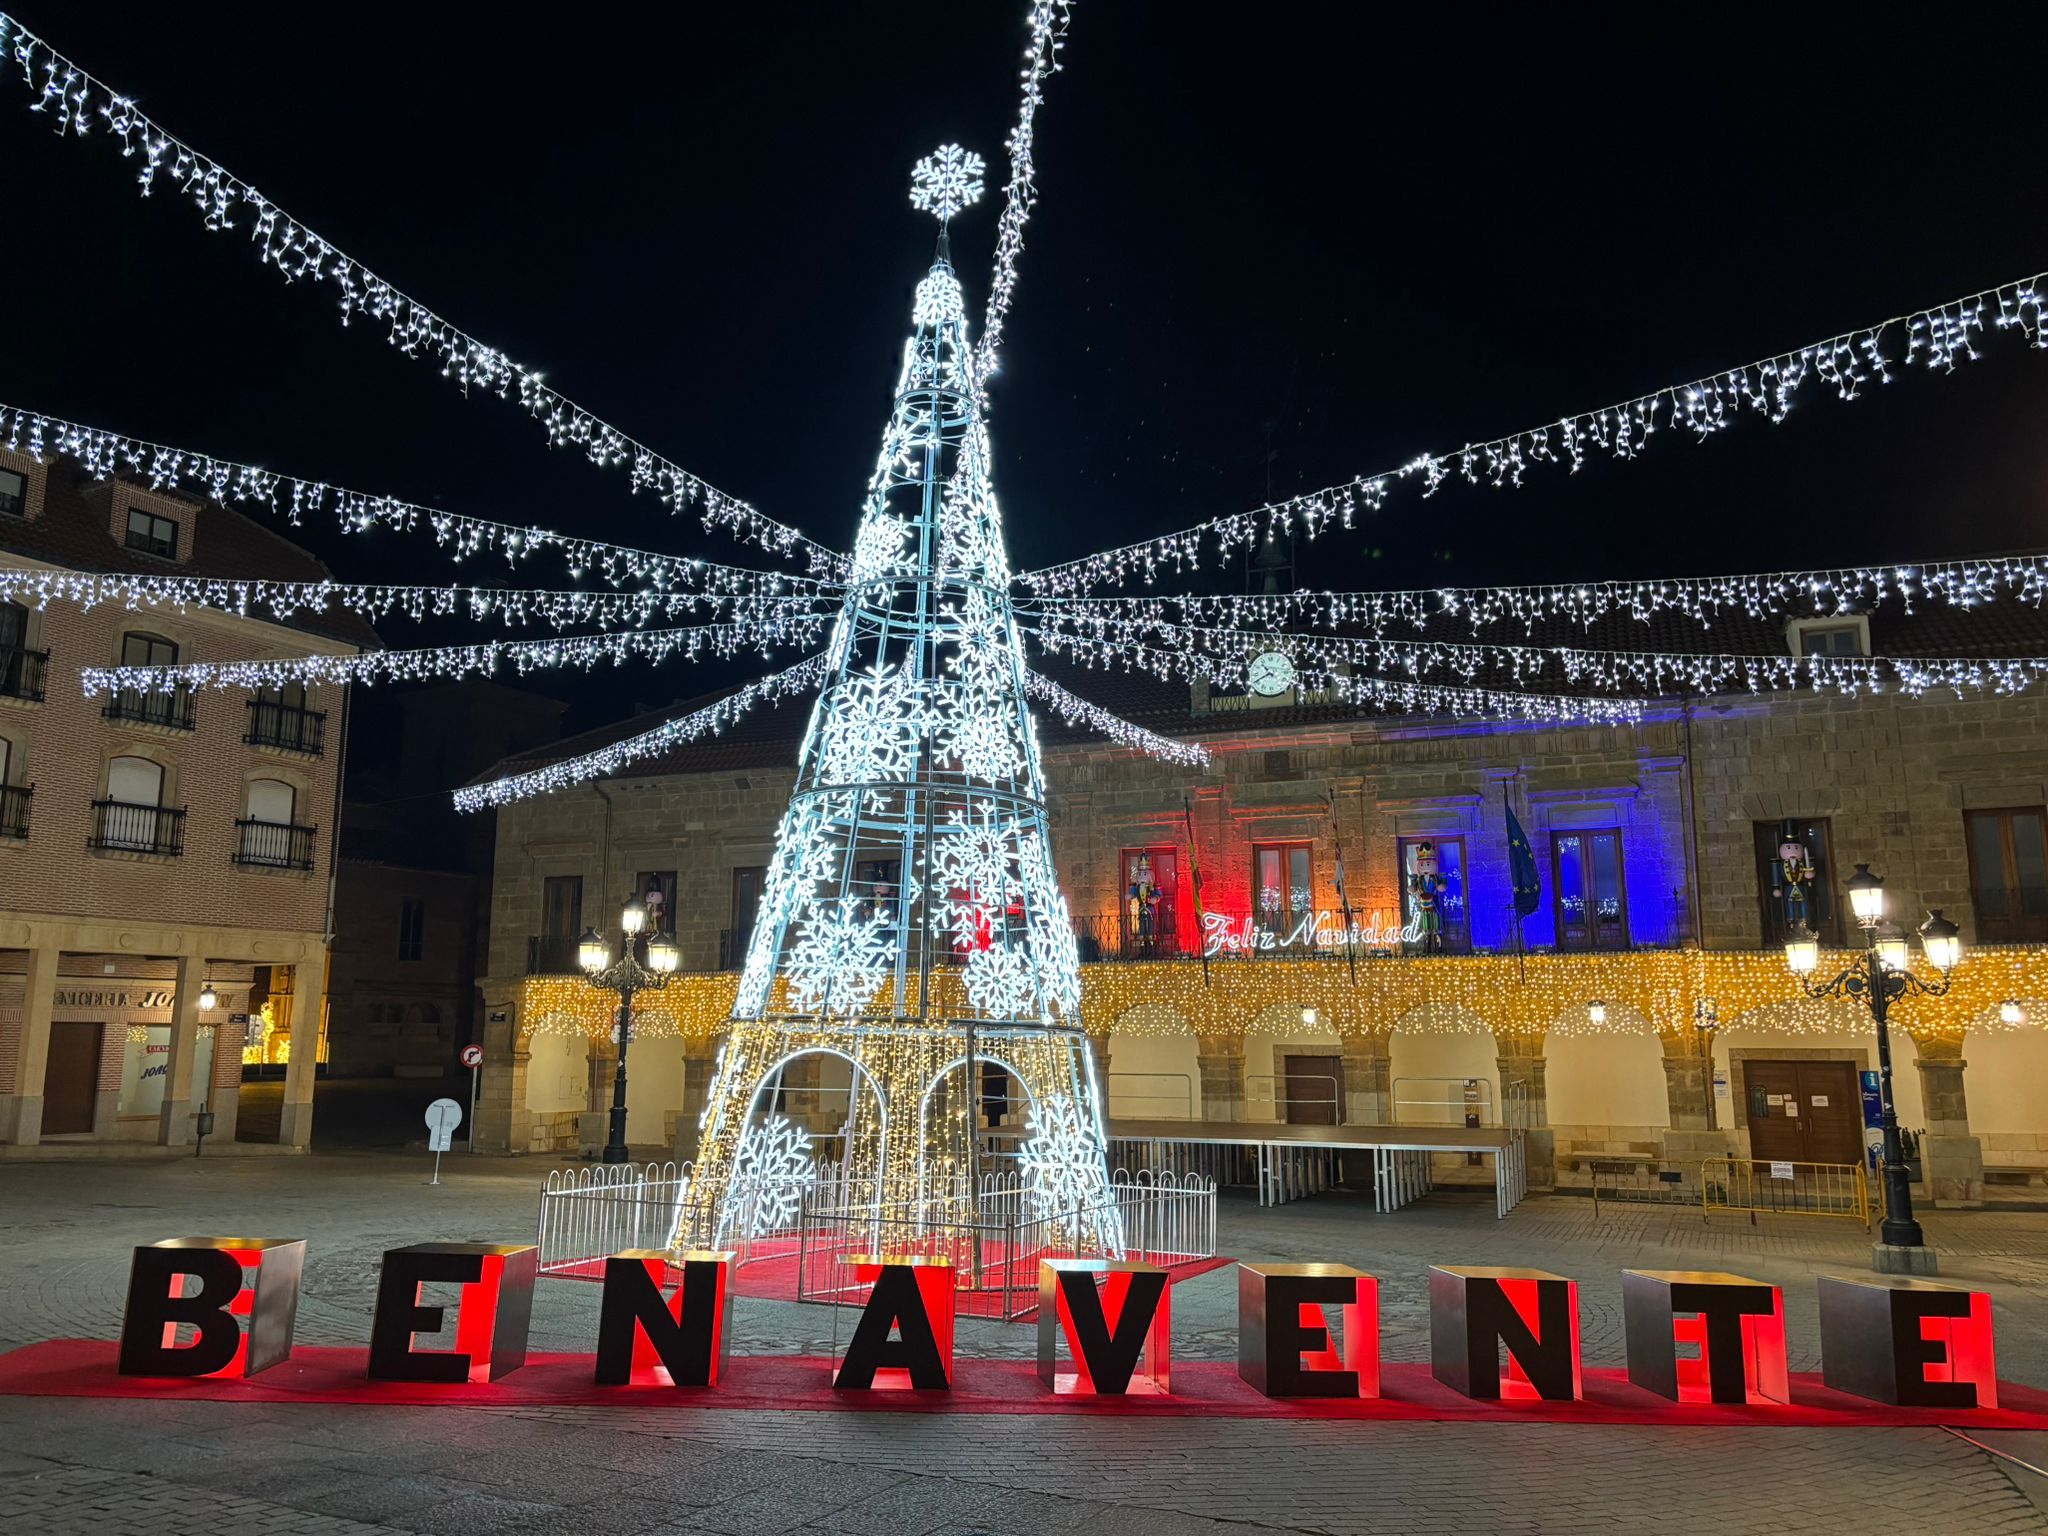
14 803
22 672
286 727
274 845
176 710
118 827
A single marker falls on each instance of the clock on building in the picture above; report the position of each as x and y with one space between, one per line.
1271 673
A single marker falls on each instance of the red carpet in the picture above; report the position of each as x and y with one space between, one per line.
85 1368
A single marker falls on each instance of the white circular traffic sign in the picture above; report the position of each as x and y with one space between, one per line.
472 1055
443 1115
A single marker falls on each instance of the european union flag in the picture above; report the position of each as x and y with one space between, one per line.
1521 863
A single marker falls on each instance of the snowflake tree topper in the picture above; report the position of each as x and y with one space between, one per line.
946 181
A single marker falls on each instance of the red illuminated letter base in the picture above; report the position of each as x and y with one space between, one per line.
644 1340
158 1305
1287 1339
1913 1343
491 1318
912 1298
1110 1327
1473 1312
1737 1324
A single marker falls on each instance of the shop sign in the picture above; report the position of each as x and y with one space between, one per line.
127 999
1226 935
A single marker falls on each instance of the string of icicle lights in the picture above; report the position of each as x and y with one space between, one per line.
1966 584
1076 710
78 105
692 643
1937 338
1396 696
606 761
103 453
1047 22
262 597
1125 642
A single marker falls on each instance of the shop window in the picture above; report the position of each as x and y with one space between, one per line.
1283 886
151 534
1433 903
2009 874
1795 880
1590 898
1150 883
412 928
656 889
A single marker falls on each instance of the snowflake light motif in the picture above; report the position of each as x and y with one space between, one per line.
1062 1161
874 730
946 181
878 547
842 960
1002 983
768 1178
981 742
939 300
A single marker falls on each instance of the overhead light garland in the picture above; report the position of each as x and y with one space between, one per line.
1662 673
455 661
104 454
1076 710
1395 696
1937 338
605 761
1967 584
77 104
282 601
1048 21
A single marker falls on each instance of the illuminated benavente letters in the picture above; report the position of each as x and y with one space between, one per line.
1222 933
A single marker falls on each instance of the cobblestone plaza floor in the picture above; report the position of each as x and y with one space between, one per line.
71 1465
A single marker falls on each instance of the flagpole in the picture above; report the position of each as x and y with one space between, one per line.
1343 895
1187 812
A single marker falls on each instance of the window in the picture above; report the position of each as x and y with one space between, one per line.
874 881
271 801
13 493
1283 886
412 927
1839 635
1795 880
1433 902
657 892
145 650
135 781
21 670
562 907
1586 881
746 904
2009 874
151 534
1151 881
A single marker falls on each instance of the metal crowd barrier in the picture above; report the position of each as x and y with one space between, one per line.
1757 1186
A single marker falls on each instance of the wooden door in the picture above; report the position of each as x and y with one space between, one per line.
1804 1111
72 1079
1314 1087
1830 1112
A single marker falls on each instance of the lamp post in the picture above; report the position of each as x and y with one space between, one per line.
626 976
1879 980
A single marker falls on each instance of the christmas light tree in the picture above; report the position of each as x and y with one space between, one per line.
911 924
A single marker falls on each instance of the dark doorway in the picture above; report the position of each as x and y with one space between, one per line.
1804 1111
71 1081
1313 1087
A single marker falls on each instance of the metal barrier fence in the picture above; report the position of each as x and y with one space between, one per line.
1776 1188
995 1242
994 1237
1759 1188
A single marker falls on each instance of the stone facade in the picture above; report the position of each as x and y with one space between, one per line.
1685 788
185 891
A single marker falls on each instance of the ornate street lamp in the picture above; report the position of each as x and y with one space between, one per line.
1878 980
208 998
626 976
1596 1012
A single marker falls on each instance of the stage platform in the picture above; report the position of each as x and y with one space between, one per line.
1292 1161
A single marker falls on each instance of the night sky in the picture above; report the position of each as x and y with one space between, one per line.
1278 246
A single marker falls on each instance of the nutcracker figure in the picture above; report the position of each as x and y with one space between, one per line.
1141 901
1794 871
1425 887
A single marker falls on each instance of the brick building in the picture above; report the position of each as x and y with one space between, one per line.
1643 1010
155 846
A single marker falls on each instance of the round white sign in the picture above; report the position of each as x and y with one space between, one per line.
443 1115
